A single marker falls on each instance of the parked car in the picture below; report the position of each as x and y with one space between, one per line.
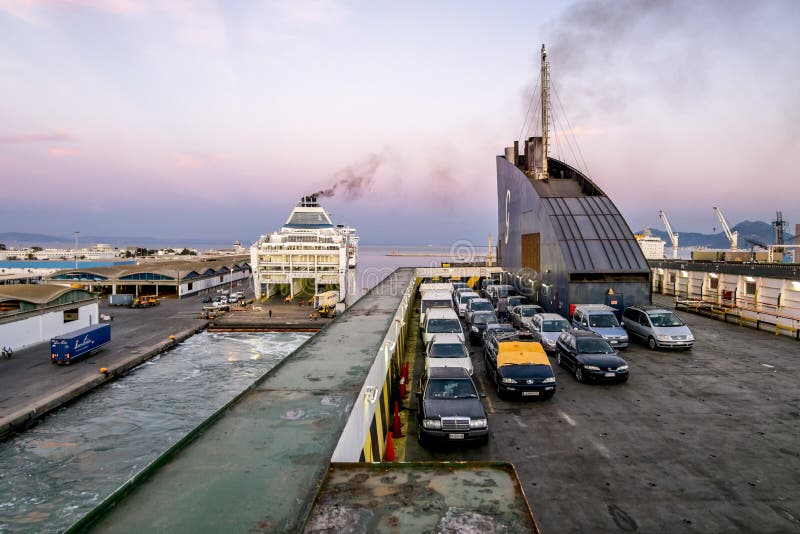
207 299
449 407
485 283
476 305
459 285
522 369
447 350
493 330
463 299
499 291
501 336
590 357
457 295
546 327
601 320
658 327
478 325
516 300
431 299
521 316
441 321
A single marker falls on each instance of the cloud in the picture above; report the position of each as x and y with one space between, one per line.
196 161
62 152
41 137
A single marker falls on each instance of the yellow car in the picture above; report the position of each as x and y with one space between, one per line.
521 368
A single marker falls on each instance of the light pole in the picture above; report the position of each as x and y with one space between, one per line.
77 232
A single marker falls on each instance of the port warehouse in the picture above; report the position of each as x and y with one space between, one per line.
162 278
33 313
67 299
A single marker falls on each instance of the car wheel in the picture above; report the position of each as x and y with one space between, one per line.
651 342
578 373
497 388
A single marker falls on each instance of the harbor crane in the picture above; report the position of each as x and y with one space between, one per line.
673 237
733 237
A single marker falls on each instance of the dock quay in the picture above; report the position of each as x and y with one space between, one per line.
285 317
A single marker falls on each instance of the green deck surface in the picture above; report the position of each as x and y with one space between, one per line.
258 466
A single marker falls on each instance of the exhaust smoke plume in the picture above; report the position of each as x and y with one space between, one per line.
354 180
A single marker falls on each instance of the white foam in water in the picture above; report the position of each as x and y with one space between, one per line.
54 473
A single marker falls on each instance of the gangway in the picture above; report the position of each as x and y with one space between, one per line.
673 237
733 237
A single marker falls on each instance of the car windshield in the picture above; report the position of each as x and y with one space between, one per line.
448 350
529 312
594 346
605 320
481 306
444 326
554 326
450 388
466 297
665 319
484 318
515 301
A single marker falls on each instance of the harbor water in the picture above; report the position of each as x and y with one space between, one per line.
54 473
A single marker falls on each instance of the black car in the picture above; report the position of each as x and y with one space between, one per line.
478 324
590 357
449 407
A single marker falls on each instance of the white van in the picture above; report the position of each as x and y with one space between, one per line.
433 298
436 286
441 321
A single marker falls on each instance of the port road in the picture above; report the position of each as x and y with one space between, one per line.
698 441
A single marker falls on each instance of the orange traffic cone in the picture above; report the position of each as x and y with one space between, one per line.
389 449
404 372
397 425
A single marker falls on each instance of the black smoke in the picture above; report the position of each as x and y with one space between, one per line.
354 180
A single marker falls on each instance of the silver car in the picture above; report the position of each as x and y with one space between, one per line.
546 327
521 315
658 327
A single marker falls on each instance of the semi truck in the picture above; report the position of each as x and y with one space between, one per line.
67 348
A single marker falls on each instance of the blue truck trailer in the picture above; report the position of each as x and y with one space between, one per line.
67 348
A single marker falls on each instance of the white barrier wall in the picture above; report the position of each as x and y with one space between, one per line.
375 391
36 327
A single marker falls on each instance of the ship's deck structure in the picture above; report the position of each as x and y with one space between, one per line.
307 255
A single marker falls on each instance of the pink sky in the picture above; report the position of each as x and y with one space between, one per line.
187 109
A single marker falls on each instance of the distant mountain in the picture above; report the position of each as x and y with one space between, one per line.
22 240
758 231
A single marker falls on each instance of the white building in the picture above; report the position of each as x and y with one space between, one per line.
34 313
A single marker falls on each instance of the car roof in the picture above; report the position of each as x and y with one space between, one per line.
577 332
551 317
650 308
441 312
435 294
481 299
520 352
447 372
594 308
446 337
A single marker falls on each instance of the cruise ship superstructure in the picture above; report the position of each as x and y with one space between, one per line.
306 256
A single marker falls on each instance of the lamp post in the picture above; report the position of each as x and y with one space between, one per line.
77 233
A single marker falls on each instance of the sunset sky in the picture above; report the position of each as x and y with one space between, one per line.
209 119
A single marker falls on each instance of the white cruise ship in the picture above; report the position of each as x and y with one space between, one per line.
652 247
308 255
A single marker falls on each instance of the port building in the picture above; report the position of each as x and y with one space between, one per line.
33 313
162 278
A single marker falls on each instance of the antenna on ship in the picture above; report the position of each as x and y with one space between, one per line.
545 93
